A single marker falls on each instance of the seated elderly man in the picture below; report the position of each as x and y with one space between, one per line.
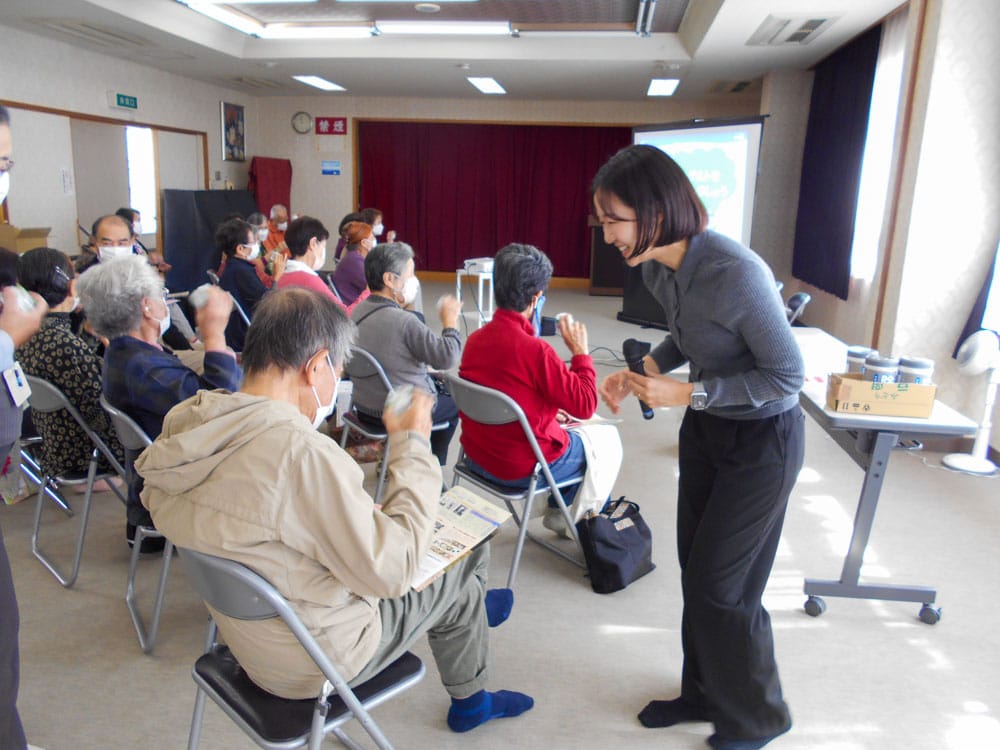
402 343
246 476
125 303
508 355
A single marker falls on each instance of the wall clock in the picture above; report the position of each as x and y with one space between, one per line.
302 122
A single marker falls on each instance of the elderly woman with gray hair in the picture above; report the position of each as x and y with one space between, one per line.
125 302
402 342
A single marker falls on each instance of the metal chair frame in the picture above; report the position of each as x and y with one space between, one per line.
363 364
133 438
795 305
492 407
238 592
45 397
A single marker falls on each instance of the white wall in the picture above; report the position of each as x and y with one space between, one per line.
101 170
39 197
43 72
950 221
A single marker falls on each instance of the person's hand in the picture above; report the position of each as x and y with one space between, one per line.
614 389
449 307
416 418
213 317
660 390
390 236
574 333
278 265
20 324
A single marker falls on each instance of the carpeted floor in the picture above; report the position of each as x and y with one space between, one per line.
865 676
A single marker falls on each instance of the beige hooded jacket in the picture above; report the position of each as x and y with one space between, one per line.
247 478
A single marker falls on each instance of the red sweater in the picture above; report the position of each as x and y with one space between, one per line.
505 355
314 282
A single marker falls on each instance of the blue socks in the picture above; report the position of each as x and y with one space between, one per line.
478 708
499 602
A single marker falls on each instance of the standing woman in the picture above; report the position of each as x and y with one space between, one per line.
741 440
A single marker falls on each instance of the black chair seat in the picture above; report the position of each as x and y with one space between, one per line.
283 719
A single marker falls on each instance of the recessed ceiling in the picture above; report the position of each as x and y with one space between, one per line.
566 49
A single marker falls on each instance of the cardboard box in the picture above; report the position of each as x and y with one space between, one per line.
848 393
23 240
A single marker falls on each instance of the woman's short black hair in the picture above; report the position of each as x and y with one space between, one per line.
231 234
667 208
8 266
302 230
46 271
368 215
519 273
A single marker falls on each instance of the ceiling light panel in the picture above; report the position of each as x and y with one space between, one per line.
319 83
662 86
487 85
444 28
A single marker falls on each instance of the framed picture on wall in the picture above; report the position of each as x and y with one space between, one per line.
233 133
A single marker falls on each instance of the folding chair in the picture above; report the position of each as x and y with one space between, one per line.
796 305
33 471
135 440
361 366
237 307
491 407
45 398
272 722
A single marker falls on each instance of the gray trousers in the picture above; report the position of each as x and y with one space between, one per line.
452 612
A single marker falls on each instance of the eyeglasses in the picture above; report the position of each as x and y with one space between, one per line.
6 164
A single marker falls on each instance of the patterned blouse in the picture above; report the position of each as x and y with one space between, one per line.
58 355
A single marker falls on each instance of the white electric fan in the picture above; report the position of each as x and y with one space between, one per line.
978 354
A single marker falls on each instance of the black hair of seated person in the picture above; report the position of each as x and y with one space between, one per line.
47 272
519 273
369 215
8 267
127 213
290 326
231 234
354 216
301 231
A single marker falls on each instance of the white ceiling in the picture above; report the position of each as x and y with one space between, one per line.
703 42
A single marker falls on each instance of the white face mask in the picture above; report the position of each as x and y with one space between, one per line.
110 252
325 410
164 322
137 228
378 228
254 251
283 226
410 289
320 260
262 234
76 304
4 186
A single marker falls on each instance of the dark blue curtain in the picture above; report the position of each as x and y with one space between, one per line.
831 164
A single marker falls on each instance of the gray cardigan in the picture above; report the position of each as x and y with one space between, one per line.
727 320
403 345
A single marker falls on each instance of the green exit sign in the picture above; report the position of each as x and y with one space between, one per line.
123 101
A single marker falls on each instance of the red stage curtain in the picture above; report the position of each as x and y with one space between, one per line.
270 183
458 191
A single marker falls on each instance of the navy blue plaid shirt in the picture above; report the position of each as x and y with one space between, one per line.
146 382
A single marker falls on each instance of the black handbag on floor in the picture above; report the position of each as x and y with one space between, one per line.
617 545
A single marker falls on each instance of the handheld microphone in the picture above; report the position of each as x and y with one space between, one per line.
634 351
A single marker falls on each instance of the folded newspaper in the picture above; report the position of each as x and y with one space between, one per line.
464 520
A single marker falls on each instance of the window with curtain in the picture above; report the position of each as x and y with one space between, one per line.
831 165
877 161
456 191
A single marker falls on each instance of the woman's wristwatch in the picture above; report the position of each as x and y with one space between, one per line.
699 397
